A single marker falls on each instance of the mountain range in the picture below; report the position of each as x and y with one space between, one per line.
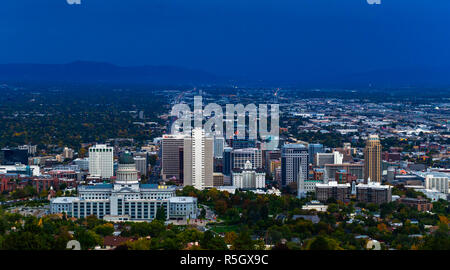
98 72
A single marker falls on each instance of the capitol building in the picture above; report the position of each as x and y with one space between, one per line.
126 199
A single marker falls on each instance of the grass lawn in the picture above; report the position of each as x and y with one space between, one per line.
225 228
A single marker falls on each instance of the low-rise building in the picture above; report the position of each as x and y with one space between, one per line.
62 205
340 192
373 192
422 205
316 206
182 207
218 179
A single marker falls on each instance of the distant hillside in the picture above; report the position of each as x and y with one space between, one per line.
92 72
96 72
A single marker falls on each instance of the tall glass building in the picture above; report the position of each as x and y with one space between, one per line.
313 149
294 164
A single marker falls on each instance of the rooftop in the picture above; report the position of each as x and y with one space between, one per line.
97 186
294 145
182 199
63 199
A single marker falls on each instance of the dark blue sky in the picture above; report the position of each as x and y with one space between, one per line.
279 39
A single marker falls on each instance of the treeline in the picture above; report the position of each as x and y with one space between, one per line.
71 115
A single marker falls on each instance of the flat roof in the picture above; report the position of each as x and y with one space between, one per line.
182 199
63 199
98 186
294 145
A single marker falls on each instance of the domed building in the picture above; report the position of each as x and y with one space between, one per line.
129 200
126 172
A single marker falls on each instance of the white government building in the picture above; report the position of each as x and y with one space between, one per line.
126 199
249 178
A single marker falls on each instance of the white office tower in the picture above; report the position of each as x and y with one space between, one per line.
101 161
141 165
322 159
301 192
198 160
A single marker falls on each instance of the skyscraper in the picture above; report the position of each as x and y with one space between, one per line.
227 160
328 158
372 159
313 149
141 165
101 161
171 147
219 144
198 160
294 157
241 156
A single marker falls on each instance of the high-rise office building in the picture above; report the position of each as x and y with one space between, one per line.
227 160
219 144
372 159
67 153
241 156
294 157
101 161
269 156
142 162
198 160
328 158
141 165
313 149
172 158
